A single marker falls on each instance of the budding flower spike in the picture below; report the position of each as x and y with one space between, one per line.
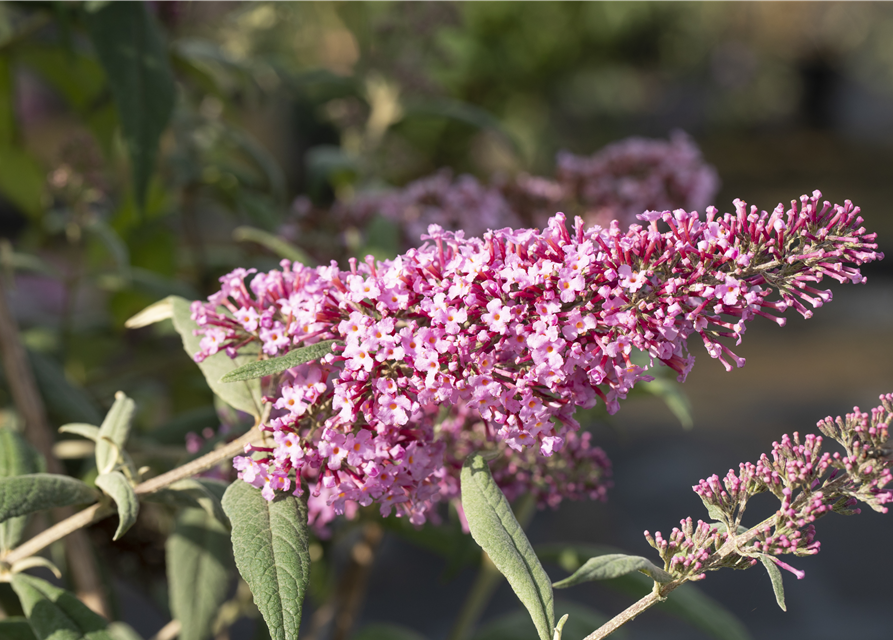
519 328
808 484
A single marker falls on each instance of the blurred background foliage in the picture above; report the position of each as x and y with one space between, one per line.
146 149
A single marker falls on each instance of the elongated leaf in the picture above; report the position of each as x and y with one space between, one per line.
272 366
37 491
155 312
16 629
272 242
199 570
270 543
671 392
89 431
774 577
687 602
194 493
494 527
121 491
113 432
17 458
133 53
244 396
56 614
613 566
64 400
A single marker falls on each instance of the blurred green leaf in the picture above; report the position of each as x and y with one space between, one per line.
20 495
194 493
272 366
123 631
66 401
113 432
17 458
199 571
16 629
22 180
7 103
270 543
274 243
132 51
382 239
56 614
244 396
614 565
494 527
79 78
121 491
671 392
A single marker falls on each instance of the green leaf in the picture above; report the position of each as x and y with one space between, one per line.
66 401
88 431
22 180
121 491
155 312
686 602
37 491
17 458
382 239
775 578
56 614
671 392
494 527
199 569
272 242
272 366
270 543
386 631
123 631
113 432
16 629
245 396
194 493
132 51
610 566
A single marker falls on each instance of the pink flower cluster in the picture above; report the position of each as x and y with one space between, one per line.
807 482
521 326
635 175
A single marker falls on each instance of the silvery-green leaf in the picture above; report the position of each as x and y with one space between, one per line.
20 495
244 396
613 566
199 570
89 431
56 614
155 312
113 433
272 366
775 578
272 242
494 527
270 544
121 491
